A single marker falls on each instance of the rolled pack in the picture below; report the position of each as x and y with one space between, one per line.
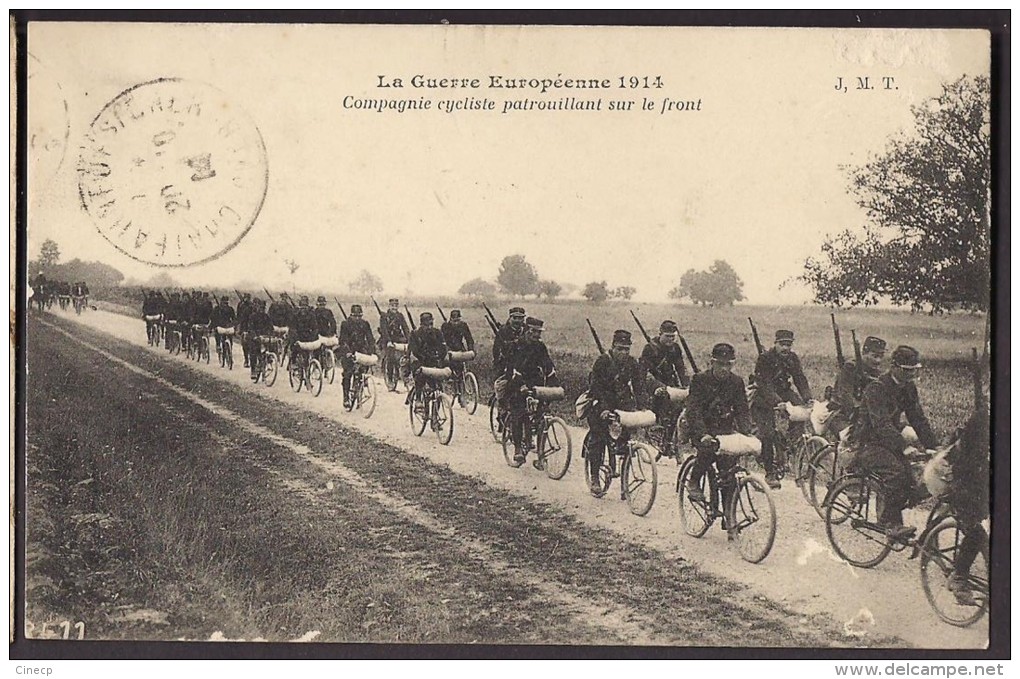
549 393
308 346
938 474
436 373
677 395
820 416
635 419
367 360
738 444
400 346
797 413
909 435
462 356
153 317
221 330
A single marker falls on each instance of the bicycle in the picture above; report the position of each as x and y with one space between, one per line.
225 346
669 441
544 433
327 359
267 358
362 389
152 325
630 460
939 551
749 515
304 369
200 345
174 337
464 384
79 304
394 364
497 419
430 406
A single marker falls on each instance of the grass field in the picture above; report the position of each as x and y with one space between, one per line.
944 341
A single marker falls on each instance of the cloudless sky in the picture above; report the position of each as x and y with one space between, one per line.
428 200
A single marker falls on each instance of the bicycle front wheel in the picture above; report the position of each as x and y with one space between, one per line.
753 513
494 425
417 413
555 448
695 515
443 417
821 474
296 376
315 377
367 396
851 522
938 556
604 478
640 478
470 395
269 369
205 351
228 352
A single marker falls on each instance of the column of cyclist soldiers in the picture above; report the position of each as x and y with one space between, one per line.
773 418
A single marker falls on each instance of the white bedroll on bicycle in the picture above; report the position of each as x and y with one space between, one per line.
462 356
465 384
366 360
638 475
431 407
544 434
362 388
677 395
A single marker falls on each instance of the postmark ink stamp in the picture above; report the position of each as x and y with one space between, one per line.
173 173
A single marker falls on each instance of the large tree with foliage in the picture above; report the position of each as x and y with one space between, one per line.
596 292
365 283
718 286
476 287
926 197
517 276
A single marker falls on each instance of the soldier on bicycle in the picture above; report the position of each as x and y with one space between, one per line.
244 309
969 498
428 350
393 330
877 433
151 310
717 405
223 320
173 315
306 328
327 324
282 315
850 384
529 367
663 362
258 328
773 373
504 345
617 382
201 316
355 336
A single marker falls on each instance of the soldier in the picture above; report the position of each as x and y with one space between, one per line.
663 362
355 336
529 367
772 375
305 328
201 316
717 405
173 314
968 496
223 320
185 314
503 347
878 435
617 383
427 348
393 330
258 327
458 338
326 323
150 312
850 384
244 309
281 313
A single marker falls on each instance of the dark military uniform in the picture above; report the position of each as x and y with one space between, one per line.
773 374
664 367
244 308
325 321
846 396
878 435
427 349
257 325
173 314
503 347
616 383
458 338
393 329
355 336
716 405
969 493
530 366
222 317
280 314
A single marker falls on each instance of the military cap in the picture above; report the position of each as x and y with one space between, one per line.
784 335
258 300
425 316
517 311
668 326
205 294
906 357
355 309
303 301
455 314
320 300
224 299
724 352
873 345
394 300
536 323
622 338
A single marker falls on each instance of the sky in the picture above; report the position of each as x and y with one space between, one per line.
428 200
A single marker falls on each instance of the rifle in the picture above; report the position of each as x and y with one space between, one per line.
757 340
595 335
641 327
239 297
377 308
287 297
270 295
491 317
410 317
839 344
342 312
493 328
441 312
690 356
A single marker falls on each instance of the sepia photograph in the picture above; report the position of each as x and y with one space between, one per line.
518 336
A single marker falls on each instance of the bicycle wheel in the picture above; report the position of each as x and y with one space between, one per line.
494 425
938 555
390 374
754 518
296 376
555 447
821 474
175 344
228 352
640 478
807 449
417 413
315 377
205 350
696 516
508 448
329 365
367 396
219 354
269 369
605 472
469 399
851 523
443 414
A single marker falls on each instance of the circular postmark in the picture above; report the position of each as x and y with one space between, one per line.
49 125
173 173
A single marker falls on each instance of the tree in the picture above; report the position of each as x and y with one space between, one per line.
49 253
718 286
596 292
517 276
623 292
927 198
549 289
366 283
476 287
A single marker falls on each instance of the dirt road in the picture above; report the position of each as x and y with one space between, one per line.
501 530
